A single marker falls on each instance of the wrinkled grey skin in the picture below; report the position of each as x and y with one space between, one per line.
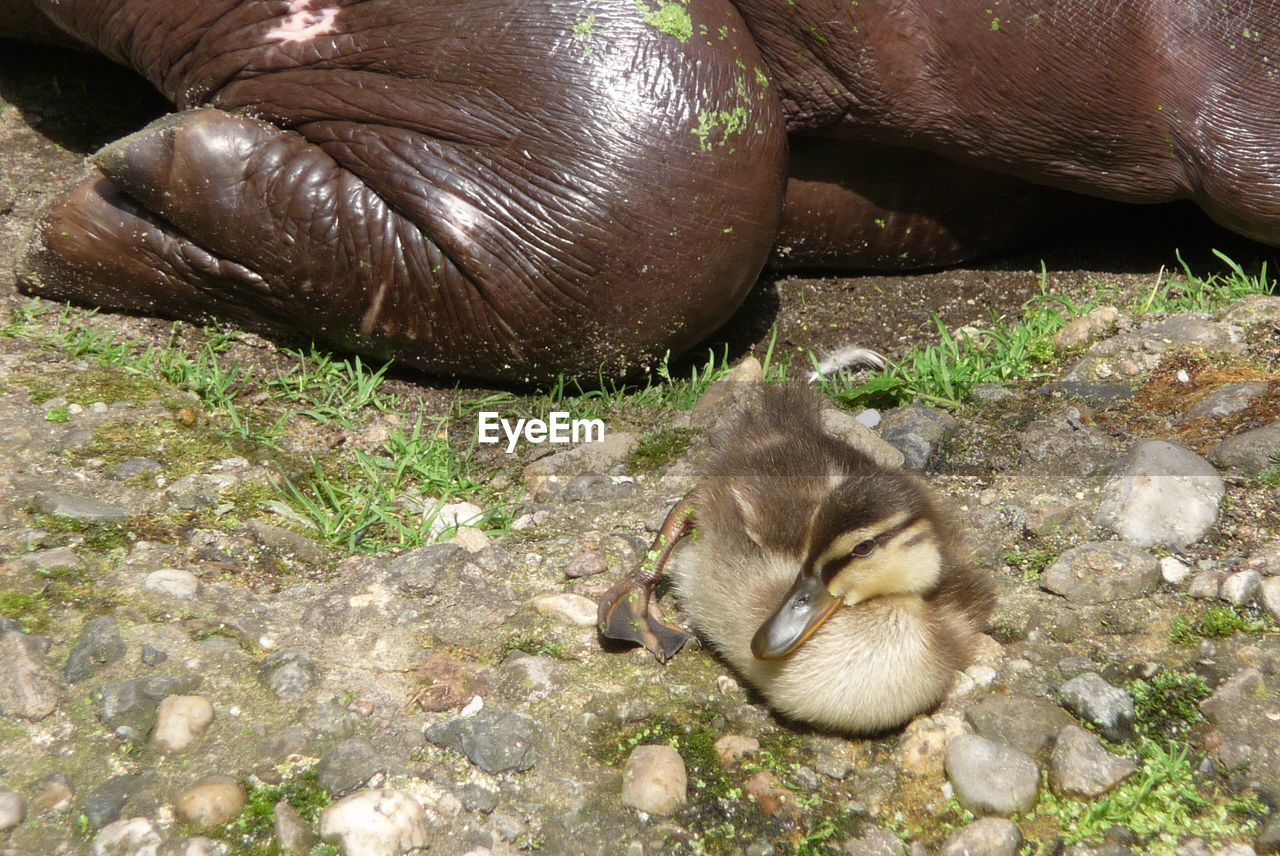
511 191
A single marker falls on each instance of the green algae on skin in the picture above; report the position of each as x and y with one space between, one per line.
670 18
727 122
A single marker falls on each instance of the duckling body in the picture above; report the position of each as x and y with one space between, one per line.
784 502
835 586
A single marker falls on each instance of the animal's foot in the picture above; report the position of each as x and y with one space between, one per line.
628 613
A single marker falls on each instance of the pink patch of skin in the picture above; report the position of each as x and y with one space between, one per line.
302 24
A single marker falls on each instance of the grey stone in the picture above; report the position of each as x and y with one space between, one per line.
28 688
1253 309
476 797
1101 572
547 477
1080 766
1231 695
136 836
286 542
1094 700
85 509
494 742
104 804
990 778
1206 585
152 656
1249 452
843 425
51 559
875 841
53 794
989 393
13 811
1269 836
293 833
99 645
1269 596
172 582
1190 328
918 432
1161 494
1239 588
127 469
1226 399
288 673
1026 723
129 707
414 572
986 836
525 678
1064 444
348 766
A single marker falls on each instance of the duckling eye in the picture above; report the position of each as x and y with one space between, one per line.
863 548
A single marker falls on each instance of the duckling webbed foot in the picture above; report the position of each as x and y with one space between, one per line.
628 611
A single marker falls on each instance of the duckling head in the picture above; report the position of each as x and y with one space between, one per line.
872 535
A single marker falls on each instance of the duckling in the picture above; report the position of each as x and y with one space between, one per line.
835 586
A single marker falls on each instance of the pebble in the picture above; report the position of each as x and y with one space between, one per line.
1206 585
1226 399
1080 766
180 720
1239 588
99 645
573 608
212 801
986 836
875 841
1091 325
654 780
288 673
198 846
845 426
1161 494
990 778
586 563
293 834
471 539
381 822
1094 700
136 836
13 810
1249 452
494 742
53 795
735 747
768 792
1173 571
1101 572
1269 596
84 509
104 804
129 707
348 766
28 688
172 582
918 432
921 750
1026 723
451 515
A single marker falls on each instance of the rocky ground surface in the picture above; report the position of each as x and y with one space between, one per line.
185 670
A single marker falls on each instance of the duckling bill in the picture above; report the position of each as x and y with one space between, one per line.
837 587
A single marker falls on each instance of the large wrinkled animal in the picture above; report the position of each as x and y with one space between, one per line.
510 190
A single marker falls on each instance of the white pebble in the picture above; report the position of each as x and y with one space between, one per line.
573 608
172 582
382 822
180 720
1173 571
